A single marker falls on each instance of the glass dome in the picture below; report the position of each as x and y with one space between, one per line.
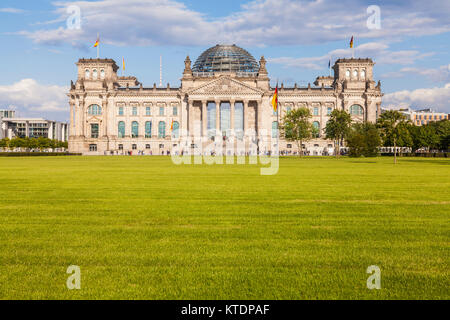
226 58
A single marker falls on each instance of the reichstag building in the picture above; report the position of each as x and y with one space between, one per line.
225 93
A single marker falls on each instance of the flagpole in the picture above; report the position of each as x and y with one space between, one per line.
329 66
98 47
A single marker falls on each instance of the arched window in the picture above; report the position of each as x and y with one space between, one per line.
161 129
94 74
355 74
134 129
87 74
94 110
356 110
347 73
102 74
316 126
176 130
274 129
121 129
148 129
363 74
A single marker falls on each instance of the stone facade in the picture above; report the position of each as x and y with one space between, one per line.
118 115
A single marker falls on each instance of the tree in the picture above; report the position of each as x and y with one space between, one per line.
428 137
405 139
296 127
33 143
442 130
4 143
392 124
43 143
363 139
337 128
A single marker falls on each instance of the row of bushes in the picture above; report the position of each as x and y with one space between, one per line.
37 154
425 155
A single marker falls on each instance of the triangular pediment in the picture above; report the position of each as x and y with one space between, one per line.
225 85
94 119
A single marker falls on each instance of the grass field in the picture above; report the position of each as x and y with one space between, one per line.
143 228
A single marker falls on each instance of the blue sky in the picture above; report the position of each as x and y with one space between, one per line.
297 37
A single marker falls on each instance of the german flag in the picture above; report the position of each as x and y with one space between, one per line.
351 43
275 100
171 126
97 42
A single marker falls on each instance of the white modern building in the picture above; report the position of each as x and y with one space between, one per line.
12 127
423 116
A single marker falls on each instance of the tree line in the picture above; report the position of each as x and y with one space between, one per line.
39 143
392 129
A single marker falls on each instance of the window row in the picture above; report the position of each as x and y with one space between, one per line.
316 129
431 117
315 111
134 130
362 74
134 111
87 74
95 110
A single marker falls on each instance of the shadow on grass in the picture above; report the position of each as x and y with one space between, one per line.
441 161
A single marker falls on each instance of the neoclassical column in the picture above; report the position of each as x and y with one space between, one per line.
72 118
232 102
259 115
204 118
245 115
190 103
83 119
105 117
217 115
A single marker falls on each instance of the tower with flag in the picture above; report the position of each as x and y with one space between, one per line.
352 47
97 45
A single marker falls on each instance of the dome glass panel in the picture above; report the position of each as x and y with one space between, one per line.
226 58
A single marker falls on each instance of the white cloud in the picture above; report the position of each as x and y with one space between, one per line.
30 98
11 10
436 98
441 74
376 50
258 23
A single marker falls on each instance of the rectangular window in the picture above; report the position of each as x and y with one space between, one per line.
148 111
134 111
161 111
120 111
316 111
134 146
175 111
329 110
147 146
120 146
94 130
92 147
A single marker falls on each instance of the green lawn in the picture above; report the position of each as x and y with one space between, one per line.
143 228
